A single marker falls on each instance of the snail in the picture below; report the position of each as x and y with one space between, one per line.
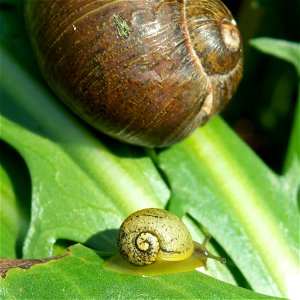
146 72
152 235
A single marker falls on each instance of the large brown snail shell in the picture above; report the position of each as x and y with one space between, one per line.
147 72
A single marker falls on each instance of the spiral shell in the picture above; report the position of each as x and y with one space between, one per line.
154 234
147 72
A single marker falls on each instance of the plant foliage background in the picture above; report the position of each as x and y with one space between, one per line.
65 188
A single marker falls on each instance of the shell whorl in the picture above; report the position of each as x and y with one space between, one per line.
217 47
154 234
214 36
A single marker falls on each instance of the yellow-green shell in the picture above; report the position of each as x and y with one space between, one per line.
154 234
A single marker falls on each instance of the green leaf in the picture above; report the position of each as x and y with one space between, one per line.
80 184
81 274
13 218
15 194
247 208
289 51
9 217
293 151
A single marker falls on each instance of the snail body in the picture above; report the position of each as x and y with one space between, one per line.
147 72
152 235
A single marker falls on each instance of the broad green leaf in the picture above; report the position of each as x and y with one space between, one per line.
83 212
247 208
80 184
81 274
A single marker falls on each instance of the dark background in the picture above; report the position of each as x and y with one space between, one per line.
263 108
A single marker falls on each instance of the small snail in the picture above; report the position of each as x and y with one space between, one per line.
147 72
153 234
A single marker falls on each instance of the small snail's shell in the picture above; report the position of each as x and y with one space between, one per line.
154 234
147 72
